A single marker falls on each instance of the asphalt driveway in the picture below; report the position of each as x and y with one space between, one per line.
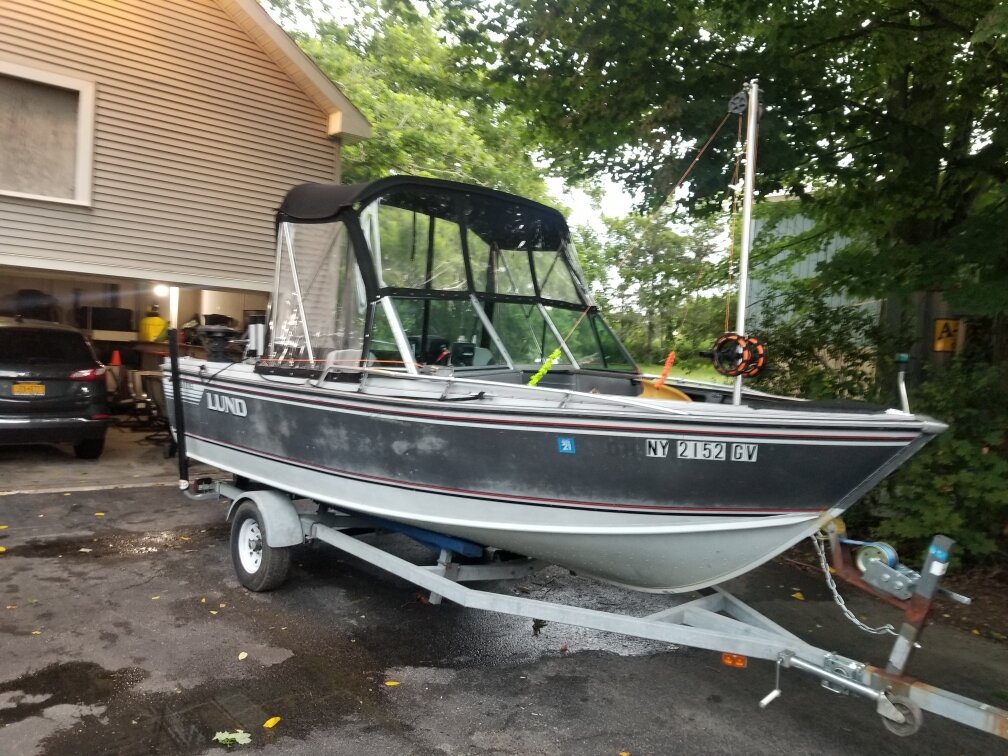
123 630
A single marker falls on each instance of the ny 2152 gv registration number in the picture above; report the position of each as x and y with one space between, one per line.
716 451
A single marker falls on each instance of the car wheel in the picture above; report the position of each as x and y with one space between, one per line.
89 448
259 566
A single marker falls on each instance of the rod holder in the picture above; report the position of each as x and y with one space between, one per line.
901 364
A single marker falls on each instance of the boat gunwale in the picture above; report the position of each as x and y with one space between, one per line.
570 405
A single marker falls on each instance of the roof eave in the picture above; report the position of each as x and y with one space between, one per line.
344 121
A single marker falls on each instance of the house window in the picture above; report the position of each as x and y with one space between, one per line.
46 135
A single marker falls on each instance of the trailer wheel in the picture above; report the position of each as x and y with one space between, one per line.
911 713
259 567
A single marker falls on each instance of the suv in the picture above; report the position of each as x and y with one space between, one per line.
52 387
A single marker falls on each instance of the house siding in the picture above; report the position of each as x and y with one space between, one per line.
198 135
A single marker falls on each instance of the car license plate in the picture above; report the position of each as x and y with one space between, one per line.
28 389
712 450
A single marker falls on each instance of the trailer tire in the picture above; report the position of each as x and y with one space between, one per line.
259 566
911 713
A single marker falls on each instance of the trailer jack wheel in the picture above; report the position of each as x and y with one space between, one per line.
912 717
259 566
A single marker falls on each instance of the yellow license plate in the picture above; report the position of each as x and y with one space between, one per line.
28 389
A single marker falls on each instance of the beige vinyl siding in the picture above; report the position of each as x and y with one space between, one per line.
198 135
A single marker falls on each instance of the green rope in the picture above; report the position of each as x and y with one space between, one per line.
554 356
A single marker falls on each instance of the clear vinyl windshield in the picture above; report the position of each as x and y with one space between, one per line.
477 281
465 279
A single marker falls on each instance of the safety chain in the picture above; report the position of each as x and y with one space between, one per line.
817 540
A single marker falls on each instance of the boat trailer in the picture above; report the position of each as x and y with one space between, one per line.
266 523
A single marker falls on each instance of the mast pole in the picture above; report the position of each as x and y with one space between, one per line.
747 202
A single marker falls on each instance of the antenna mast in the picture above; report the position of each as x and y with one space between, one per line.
747 202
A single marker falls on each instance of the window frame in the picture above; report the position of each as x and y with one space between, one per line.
84 159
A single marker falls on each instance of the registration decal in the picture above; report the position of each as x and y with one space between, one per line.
565 445
712 451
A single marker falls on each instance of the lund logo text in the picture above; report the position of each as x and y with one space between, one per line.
229 405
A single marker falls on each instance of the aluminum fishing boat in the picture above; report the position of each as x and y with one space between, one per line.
434 357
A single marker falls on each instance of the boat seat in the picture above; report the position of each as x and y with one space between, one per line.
462 353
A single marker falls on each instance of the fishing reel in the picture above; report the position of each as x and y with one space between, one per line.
735 354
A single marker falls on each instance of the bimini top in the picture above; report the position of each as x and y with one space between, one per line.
321 202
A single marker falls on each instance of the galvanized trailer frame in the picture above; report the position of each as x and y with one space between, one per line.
714 620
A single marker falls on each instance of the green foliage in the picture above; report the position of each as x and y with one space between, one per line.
429 118
647 277
888 120
959 484
817 348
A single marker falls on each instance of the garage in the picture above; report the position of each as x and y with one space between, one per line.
144 148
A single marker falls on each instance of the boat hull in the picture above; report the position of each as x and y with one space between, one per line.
651 500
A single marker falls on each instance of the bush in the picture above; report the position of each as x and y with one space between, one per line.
817 349
958 485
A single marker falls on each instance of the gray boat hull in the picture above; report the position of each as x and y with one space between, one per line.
632 492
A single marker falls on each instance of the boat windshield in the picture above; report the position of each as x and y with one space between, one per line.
431 241
454 277
478 281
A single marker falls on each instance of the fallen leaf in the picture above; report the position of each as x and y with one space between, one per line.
243 656
99 514
184 538
975 631
392 683
238 737
154 598
4 527
624 753
203 600
66 494
213 611
86 551
3 549
798 595
223 605
36 632
272 722
12 606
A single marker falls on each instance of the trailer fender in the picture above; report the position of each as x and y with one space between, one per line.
280 519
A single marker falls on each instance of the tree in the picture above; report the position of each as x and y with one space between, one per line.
886 119
429 118
647 277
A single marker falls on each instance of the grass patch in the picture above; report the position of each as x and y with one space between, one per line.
701 371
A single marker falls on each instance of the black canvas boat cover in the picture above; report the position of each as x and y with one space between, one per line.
320 202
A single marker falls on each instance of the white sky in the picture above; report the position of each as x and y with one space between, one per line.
616 202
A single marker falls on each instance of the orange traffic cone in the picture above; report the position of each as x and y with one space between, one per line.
116 360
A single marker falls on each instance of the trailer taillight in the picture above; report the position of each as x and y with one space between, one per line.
738 661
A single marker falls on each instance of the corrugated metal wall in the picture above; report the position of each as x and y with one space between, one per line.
759 291
198 135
